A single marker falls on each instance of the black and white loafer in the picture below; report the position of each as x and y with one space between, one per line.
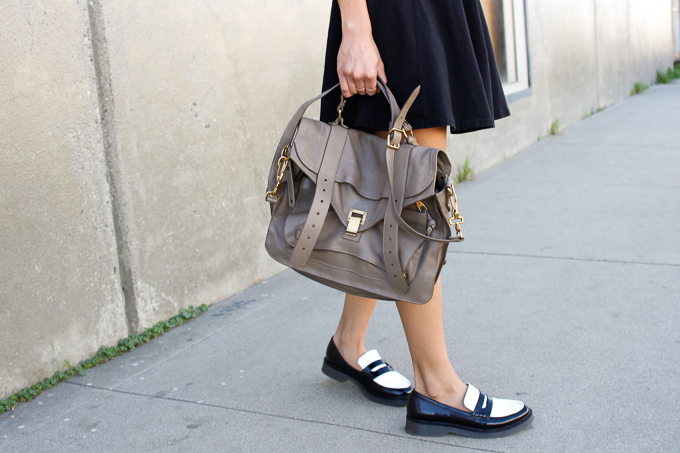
490 417
377 379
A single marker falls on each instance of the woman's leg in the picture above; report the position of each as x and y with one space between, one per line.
351 332
424 326
432 370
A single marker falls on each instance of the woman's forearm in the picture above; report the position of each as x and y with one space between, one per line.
355 18
359 62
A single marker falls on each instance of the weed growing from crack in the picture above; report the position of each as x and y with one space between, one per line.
466 171
638 88
103 355
554 127
593 111
670 75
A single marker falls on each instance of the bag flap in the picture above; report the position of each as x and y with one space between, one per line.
362 182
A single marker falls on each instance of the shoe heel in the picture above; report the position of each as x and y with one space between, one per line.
333 373
420 429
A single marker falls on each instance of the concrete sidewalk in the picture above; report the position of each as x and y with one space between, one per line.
564 294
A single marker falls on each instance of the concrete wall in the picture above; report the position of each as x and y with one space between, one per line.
60 295
109 226
201 94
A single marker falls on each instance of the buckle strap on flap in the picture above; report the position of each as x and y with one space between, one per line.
322 197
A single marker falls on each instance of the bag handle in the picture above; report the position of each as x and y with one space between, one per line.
289 133
276 173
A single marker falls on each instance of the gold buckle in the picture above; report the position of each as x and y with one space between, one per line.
390 134
355 219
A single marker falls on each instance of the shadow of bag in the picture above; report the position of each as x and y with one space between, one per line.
361 214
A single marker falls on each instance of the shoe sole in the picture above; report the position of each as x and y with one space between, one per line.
332 372
430 429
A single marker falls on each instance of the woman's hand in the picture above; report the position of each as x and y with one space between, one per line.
359 62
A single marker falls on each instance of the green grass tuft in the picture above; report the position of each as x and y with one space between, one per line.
466 172
668 76
104 354
593 111
554 127
638 88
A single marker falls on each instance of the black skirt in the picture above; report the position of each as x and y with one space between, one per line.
441 45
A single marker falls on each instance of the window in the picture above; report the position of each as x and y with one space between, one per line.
507 28
676 27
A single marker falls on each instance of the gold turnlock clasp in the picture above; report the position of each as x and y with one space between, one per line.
456 220
355 218
282 164
420 205
390 135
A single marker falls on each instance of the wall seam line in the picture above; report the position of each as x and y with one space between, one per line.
102 68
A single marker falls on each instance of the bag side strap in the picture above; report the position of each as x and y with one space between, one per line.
397 169
322 197
398 181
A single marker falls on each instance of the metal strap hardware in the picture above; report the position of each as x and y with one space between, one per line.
355 218
391 135
340 121
456 220
272 196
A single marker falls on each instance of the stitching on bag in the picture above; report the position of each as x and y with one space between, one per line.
347 252
350 270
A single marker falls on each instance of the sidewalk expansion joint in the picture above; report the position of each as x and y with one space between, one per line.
56 418
289 417
566 258
614 145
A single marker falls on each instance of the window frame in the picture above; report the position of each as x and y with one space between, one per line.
520 32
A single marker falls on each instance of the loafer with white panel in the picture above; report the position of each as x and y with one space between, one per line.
490 417
377 379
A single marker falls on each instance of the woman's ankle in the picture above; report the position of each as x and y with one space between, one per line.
351 348
450 392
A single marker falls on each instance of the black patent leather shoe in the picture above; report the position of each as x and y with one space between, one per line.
490 417
377 379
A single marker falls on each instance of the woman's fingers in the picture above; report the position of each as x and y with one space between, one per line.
372 85
347 86
351 84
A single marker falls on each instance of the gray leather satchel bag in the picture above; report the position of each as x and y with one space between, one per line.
365 215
